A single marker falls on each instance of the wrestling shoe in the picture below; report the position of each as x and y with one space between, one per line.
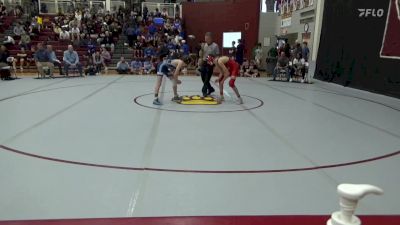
240 101
156 102
176 99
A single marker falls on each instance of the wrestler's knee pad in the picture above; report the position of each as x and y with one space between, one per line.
232 83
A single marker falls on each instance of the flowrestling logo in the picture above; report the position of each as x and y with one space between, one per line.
365 13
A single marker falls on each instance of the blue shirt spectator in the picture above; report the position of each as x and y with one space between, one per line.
136 64
185 48
152 29
149 52
147 65
42 55
71 57
171 46
130 31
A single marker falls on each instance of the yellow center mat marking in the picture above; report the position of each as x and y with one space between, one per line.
198 100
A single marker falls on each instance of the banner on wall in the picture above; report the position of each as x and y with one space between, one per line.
391 38
360 45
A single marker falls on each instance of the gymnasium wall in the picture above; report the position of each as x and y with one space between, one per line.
361 51
219 17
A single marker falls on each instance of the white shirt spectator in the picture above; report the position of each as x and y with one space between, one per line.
64 35
9 40
75 30
299 62
78 16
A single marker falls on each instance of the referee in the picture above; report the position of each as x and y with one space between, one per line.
212 49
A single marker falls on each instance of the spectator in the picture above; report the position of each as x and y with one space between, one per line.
232 51
8 41
245 66
21 57
54 60
108 41
152 29
252 70
305 51
18 30
90 68
75 33
122 66
157 13
65 36
286 49
149 51
105 58
130 32
31 56
25 40
78 17
299 67
5 72
240 52
164 13
98 62
91 46
297 50
185 49
3 10
18 11
42 59
136 66
283 64
148 66
71 60
258 54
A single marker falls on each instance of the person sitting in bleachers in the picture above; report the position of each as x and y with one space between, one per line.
283 64
57 31
53 59
42 59
108 41
148 66
105 57
65 36
18 11
136 66
75 33
18 30
25 40
5 69
3 10
21 57
123 66
98 62
71 60
90 68
8 41
149 51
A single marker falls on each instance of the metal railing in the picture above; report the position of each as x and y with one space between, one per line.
287 7
172 9
68 6
115 5
10 4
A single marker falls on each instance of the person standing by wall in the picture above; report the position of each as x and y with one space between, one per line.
258 54
305 51
210 48
240 52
